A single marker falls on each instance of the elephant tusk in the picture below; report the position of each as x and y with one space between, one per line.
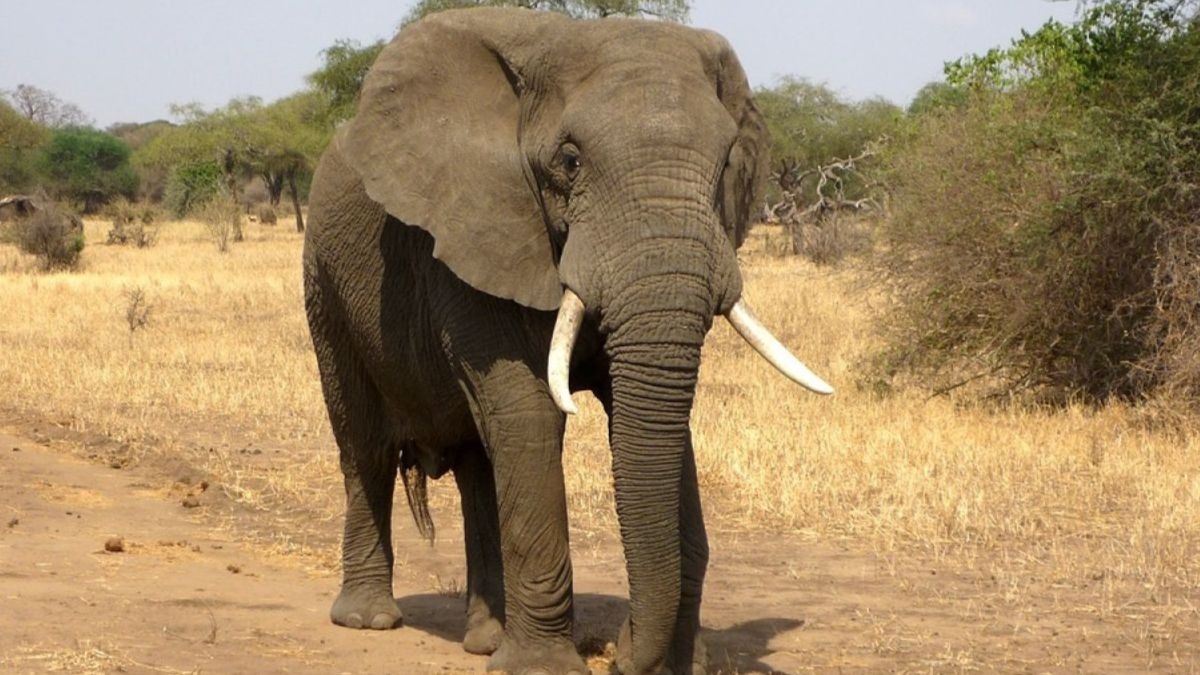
749 327
558 370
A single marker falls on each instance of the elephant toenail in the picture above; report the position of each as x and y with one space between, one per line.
354 621
383 622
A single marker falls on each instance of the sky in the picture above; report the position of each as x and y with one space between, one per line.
128 60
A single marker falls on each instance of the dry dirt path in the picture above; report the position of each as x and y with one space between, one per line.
185 596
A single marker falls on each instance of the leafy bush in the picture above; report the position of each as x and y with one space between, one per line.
88 167
50 233
1045 234
20 139
191 185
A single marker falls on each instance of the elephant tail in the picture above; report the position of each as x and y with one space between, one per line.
415 480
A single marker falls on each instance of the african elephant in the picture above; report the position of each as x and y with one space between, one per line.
526 205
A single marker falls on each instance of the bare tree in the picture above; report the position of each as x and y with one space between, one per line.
812 200
45 108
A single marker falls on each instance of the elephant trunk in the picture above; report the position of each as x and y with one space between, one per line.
654 328
653 387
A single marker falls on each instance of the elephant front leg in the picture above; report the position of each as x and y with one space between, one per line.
523 434
365 600
481 530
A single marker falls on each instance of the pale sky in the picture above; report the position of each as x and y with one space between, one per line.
128 60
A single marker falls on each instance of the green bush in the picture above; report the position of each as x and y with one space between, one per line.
1045 238
190 186
88 167
50 233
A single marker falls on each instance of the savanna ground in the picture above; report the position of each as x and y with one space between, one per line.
854 533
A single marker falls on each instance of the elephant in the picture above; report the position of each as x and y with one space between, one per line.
526 205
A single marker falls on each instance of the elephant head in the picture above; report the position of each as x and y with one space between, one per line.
606 169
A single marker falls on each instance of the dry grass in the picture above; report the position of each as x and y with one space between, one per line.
86 657
225 364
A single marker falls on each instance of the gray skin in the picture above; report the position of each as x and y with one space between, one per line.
499 156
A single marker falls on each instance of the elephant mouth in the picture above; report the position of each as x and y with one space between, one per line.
570 320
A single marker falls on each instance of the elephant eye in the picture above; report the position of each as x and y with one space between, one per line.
570 161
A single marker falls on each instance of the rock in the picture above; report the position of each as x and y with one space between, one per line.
14 522
114 545
190 502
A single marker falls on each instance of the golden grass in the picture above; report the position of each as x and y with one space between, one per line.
225 363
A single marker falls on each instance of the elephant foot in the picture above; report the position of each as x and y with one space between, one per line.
483 636
366 607
624 657
557 657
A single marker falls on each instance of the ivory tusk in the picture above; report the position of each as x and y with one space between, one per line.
749 327
558 370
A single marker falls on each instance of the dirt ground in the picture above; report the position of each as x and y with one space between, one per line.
184 595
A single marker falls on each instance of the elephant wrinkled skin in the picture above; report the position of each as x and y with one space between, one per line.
502 160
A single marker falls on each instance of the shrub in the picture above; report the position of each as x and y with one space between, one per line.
51 234
190 186
266 215
829 241
223 220
1044 239
132 224
88 167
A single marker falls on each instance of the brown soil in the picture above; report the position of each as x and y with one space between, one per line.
106 569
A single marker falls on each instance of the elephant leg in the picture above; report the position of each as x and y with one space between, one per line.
366 600
522 431
481 530
368 461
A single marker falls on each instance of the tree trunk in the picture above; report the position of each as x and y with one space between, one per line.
291 179
274 185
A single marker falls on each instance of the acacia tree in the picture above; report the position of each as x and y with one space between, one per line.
218 149
287 137
340 77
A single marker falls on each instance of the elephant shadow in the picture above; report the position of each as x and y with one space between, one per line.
739 648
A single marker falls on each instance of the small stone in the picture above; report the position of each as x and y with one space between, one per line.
16 449
190 502
233 568
14 522
114 545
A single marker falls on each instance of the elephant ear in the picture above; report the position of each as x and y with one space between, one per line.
435 142
741 190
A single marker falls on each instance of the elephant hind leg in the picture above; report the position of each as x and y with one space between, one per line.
368 463
368 460
485 573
